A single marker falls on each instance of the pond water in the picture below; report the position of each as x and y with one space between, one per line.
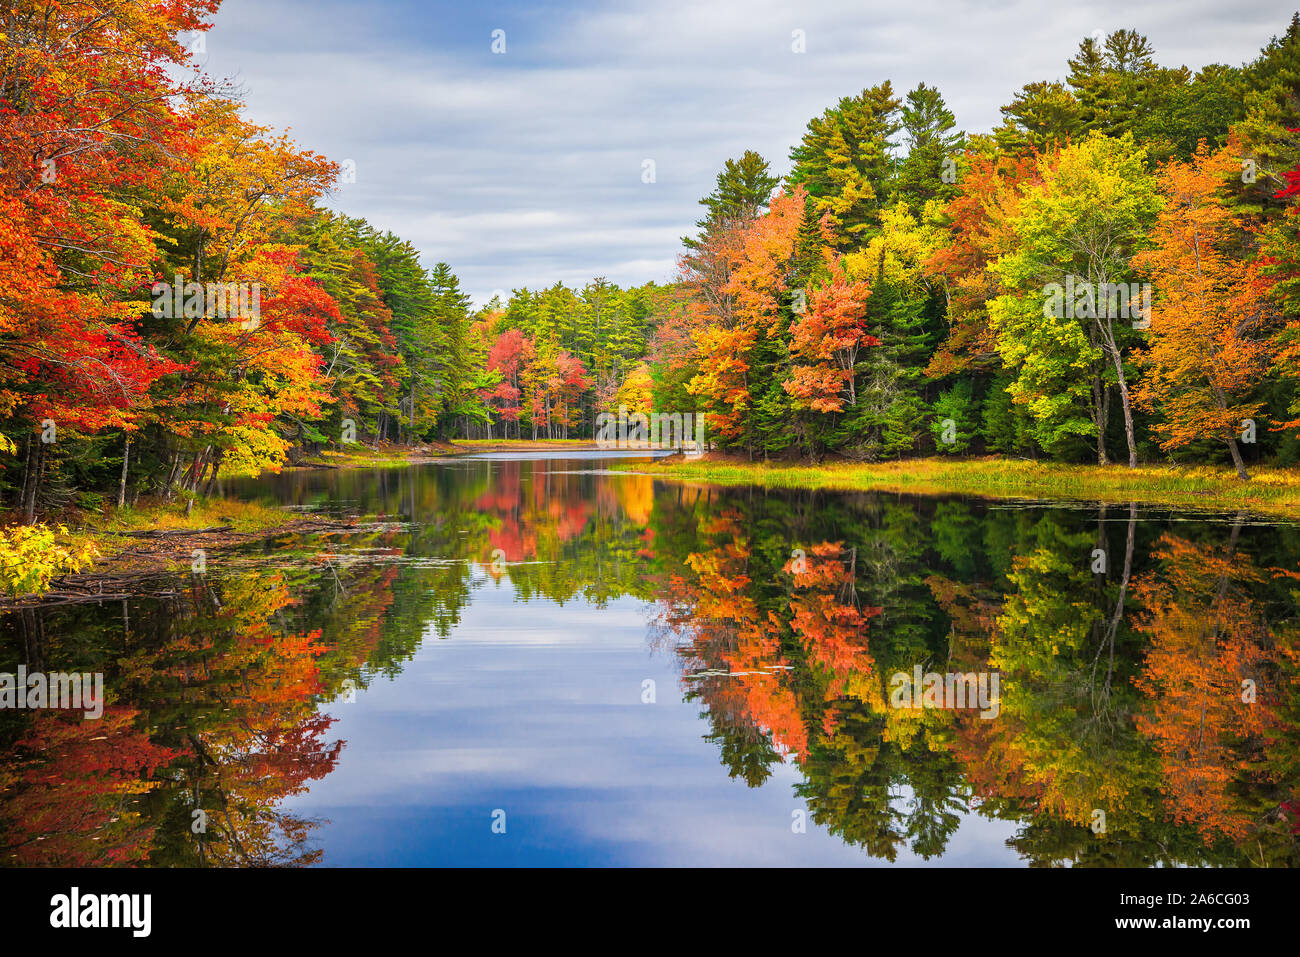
532 660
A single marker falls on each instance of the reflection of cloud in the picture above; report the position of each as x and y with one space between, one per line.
535 708
524 169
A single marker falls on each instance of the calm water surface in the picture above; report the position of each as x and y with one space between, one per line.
525 660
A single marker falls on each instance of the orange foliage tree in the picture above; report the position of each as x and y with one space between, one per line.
825 343
1203 358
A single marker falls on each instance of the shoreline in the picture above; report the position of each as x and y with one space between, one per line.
157 538
1271 491
391 456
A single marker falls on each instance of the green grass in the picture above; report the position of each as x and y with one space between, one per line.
1274 491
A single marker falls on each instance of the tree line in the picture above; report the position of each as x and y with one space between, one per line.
175 303
1110 274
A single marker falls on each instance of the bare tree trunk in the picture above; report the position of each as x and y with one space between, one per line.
1101 414
37 465
1118 361
42 455
201 468
1236 458
126 460
1229 436
27 476
172 475
183 480
212 479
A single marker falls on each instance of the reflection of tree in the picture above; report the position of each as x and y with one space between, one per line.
233 692
71 789
216 690
1066 722
776 648
1102 697
729 643
222 719
558 535
1207 636
827 615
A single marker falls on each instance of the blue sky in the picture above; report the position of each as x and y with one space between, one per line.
525 168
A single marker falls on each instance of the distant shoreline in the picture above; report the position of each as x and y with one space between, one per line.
366 456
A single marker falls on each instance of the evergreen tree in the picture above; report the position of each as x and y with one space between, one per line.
928 127
456 375
741 194
845 164
1111 81
1272 108
1042 116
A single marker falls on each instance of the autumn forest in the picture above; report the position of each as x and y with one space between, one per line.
362 581
891 282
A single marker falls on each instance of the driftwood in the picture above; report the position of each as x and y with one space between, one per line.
78 589
172 532
122 577
74 598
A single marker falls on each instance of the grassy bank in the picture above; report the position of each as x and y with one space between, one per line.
523 445
245 517
152 532
79 553
365 456
1272 491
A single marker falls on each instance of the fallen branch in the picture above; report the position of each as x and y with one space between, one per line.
167 533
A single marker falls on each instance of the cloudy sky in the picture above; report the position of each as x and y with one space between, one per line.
500 716
525 167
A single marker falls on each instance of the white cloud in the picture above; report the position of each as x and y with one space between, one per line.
525 168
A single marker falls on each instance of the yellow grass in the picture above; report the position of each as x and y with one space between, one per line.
363 456
244 517
207 513
1274 491
523 444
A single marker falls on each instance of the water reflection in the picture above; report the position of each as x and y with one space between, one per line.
1149 673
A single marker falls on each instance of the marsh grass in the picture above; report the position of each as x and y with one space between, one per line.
523 443
239 517
364 456
206 513
1274 491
